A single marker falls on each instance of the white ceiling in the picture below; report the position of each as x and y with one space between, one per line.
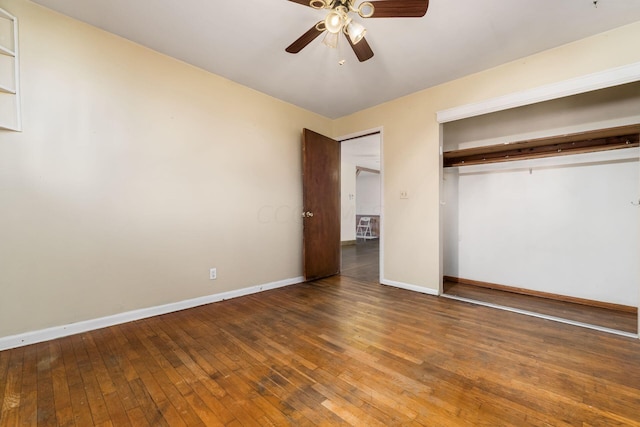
244 41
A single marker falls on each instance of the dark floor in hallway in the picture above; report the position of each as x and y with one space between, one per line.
361 261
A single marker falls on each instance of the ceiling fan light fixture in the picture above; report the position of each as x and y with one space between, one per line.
333 22
355 31
331 39
337 20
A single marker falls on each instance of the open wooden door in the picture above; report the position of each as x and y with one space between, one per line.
321 205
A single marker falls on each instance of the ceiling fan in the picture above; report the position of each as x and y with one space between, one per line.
338 21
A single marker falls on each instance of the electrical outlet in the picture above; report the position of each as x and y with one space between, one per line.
213 274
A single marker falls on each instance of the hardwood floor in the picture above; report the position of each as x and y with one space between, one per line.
601 317
337 351
361 261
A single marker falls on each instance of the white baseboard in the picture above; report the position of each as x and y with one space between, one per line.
409 287
28 338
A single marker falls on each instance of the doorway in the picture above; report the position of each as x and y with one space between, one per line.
361 206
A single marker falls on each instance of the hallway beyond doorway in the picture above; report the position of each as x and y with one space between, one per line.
362 260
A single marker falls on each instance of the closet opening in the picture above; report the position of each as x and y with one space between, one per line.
540 209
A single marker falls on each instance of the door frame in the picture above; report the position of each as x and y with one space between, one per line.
379 130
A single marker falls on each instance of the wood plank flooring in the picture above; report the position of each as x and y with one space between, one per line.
337 351
606 318
362 260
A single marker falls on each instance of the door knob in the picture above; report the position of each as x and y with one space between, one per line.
307 214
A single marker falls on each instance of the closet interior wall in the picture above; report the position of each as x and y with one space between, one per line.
563 225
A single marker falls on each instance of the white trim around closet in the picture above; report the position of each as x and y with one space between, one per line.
600 80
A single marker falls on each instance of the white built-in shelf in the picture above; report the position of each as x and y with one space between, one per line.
10 118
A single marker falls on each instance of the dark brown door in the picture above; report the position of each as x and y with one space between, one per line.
321 201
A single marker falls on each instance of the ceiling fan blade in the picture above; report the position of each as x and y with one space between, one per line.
304 40
361 49
302 2
399 8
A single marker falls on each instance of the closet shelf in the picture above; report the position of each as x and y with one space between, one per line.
576 143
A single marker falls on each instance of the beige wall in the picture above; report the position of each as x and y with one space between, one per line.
412 140
134 175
